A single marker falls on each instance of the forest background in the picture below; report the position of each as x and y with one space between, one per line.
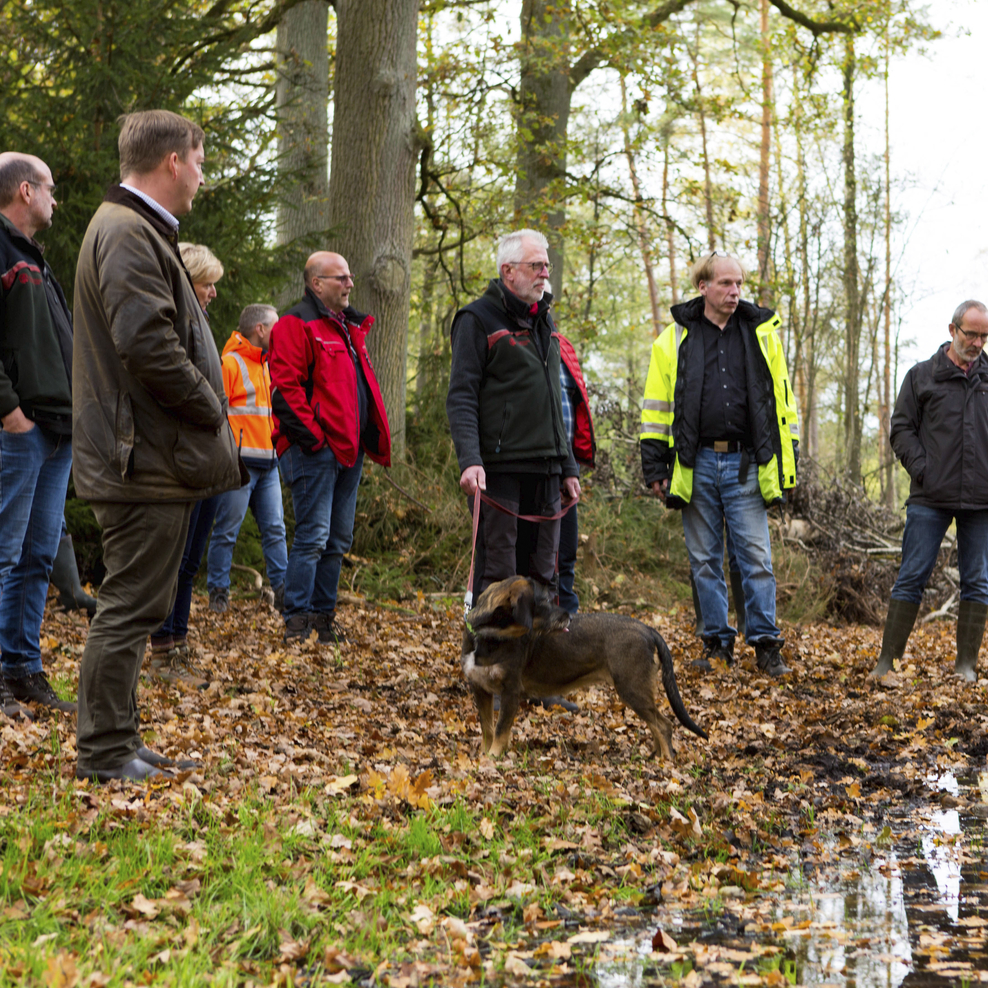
408 136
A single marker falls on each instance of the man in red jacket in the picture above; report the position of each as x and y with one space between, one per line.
328 412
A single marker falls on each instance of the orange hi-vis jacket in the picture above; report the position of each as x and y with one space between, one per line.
247 383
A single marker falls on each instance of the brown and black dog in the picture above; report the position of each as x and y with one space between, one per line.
517 642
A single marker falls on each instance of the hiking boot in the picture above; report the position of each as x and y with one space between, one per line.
162 646
298 626
768 655
9 705
328 630
36 689
175 666
898 626
279 598
714 651
219 600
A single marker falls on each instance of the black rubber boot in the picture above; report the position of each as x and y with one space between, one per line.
737 592
65 576
971 617
698 623
714 650
898 626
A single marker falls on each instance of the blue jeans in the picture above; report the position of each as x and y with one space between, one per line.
925 529
263 495
177 623
34 475
324 495
717 499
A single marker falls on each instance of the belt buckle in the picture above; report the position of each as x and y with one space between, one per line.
722 446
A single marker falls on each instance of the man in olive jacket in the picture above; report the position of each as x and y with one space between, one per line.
939 431
150 431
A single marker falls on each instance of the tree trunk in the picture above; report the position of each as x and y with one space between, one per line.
852 317
301 95
640 225
544 98
763 161
670 229
372 178
708 185
888 457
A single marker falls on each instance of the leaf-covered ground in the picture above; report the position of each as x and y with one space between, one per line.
344 829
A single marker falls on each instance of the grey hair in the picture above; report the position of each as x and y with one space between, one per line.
12 174
253 314
960 311
509 247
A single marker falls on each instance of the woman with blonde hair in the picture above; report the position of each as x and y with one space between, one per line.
170 657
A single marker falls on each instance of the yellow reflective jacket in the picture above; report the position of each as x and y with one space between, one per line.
671 409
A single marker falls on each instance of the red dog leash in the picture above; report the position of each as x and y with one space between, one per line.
477 498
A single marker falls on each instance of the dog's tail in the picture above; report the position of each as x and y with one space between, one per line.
671 688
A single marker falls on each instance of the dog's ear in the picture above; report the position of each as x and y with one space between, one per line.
523 603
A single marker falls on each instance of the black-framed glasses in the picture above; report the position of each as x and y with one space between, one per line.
50 186
537 267
971 336
341 278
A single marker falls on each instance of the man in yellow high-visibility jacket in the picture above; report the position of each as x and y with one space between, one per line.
720 440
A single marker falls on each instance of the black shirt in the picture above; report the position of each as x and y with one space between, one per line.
724 400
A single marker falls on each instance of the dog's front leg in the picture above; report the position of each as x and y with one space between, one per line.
510 701
485 714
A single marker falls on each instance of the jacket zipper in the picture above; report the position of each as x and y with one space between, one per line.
500 435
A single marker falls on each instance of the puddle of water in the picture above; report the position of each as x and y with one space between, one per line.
914 913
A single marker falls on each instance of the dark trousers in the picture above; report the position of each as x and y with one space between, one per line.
569 540
507 545
176 625
142 550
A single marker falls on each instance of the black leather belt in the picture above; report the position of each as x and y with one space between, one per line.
723 445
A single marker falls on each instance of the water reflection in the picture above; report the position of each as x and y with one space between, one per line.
912 914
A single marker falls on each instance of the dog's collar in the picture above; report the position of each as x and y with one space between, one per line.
469 627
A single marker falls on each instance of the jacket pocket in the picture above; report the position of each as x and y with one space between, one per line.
123 436
204 459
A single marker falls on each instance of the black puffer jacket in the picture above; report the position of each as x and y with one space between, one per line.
939 431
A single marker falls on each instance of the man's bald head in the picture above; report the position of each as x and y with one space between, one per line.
327 276
16 168
320 260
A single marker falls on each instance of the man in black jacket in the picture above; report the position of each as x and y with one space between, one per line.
939 431
505 412
36 439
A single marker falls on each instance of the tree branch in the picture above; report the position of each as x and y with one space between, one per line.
593 58
850 26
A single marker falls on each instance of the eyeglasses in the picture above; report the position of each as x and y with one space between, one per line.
972 336
341 278
537 267
50 186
